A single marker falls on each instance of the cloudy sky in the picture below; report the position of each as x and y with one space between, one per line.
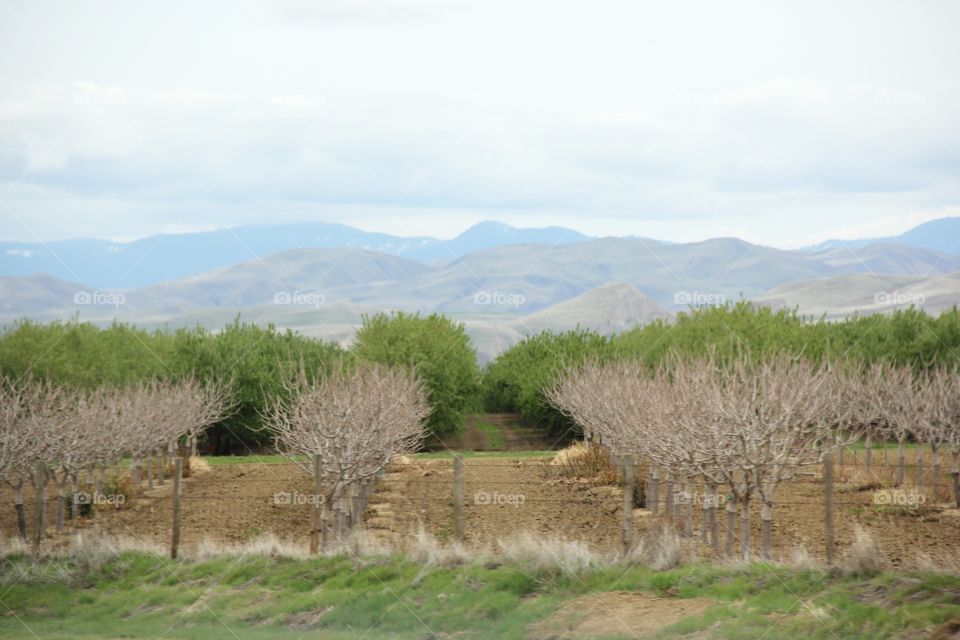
782 123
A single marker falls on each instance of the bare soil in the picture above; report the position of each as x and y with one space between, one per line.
506 496
621 614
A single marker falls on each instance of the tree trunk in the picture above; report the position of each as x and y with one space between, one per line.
714 533
101 478
868 450
161 463
705 517
955 472
745 531
18 503
74 505
61 501
731 525
688 509
766 515
39 486
918 477
149 472
901 464
669 499
654 500
935 461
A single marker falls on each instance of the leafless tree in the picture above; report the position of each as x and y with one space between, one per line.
346 426
936 406
745 425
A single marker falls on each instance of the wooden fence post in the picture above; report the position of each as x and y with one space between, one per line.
175 538
458 497
828 502
628 484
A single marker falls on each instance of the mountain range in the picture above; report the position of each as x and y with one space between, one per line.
941 235
120 265
502 282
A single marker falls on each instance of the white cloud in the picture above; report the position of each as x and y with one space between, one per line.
620 121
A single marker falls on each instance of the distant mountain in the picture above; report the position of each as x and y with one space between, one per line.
29 295
844 295
941 235
511 280
106 264
304 277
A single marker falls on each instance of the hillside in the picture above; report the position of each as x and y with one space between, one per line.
607 310
842 296
305 277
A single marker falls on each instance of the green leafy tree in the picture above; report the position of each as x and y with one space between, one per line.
516 380
439 350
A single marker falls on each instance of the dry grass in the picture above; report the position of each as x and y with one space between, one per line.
800 558
428 551
659 548
569 557
195 466
586 460
863 557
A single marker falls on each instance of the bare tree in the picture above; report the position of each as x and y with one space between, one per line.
748 425
345 427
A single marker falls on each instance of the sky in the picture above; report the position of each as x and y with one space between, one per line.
783 123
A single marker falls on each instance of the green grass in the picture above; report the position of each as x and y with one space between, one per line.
491 433
138 595
448 453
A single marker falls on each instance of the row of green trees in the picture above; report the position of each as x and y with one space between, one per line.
517 379
261 360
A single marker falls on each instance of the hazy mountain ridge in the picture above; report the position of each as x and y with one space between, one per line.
124 265
506 291
942 234
509 280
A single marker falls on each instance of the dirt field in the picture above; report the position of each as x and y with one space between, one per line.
510 495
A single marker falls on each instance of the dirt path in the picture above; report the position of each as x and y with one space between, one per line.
502 497
498 432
